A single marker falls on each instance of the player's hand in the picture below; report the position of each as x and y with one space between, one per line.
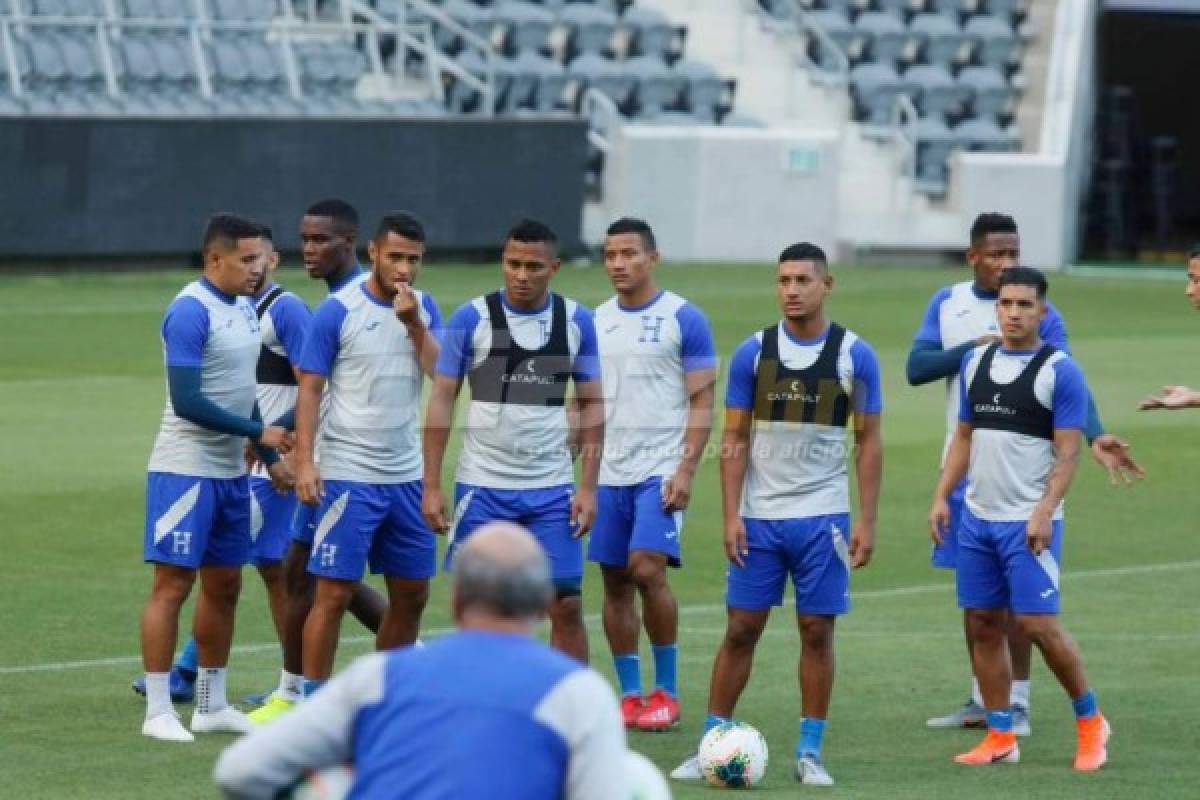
736 545
677 492
405 303
939 520
1113 454
1039 531
862 544
1172 398
433 509
280 439
281 476
309 488
583 511
250 456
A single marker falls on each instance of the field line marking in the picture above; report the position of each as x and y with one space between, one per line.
899 591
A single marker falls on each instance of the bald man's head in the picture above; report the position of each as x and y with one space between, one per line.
501 569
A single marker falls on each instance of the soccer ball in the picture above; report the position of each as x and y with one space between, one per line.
331 783
645 779
733 755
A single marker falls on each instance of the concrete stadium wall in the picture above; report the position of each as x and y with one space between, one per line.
116 188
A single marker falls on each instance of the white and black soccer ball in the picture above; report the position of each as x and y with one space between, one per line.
733 755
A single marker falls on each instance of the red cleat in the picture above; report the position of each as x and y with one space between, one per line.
996 748
1092 751
661 713
631 709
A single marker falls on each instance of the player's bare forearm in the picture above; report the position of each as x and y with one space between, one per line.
590 400
701 393
735 459
868 465
1066 462
957 460
425 344
573 427
438 418
308 407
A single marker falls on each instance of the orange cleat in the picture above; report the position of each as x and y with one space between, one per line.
1091 753
996 748
660 714
631 709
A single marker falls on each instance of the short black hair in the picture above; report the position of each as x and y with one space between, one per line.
1194 253
267 233
638 226
401 223
342 213
228 229
804 251
991 222
532 231
1026 276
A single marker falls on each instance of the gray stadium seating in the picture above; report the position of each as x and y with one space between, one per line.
947 8
936 92
875 88
984 134
538 83
991 95
591 28
594 72
526 26
658 87
942 39
479 21
703 91
998 45
651 33
935 142
887 38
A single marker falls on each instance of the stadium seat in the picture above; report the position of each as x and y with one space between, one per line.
462 97
479 21
1007 10
526 27
897 8
991 96
984 134
942 40
48 8
935 142
998 45
935 92
651 33
703 90
875 88
887 38
837 26
594 72
947 8
657 88
538 83
243 10
590 28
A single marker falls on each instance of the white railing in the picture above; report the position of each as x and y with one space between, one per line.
603 118
801 28
904 123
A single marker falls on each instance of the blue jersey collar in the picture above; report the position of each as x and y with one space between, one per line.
350 275
228 299
803 342
522 312
633 309
983 294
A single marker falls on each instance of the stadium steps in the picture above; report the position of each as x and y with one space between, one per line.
1036 66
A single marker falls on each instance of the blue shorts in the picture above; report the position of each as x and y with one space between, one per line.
271 515
632 518
813 550
545 512
996 568
376 524
304 524
197 522
946 553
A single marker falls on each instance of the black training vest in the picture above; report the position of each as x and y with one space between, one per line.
1011 407
512 374
273 369
814 394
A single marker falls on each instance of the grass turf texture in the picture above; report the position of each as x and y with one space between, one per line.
82 391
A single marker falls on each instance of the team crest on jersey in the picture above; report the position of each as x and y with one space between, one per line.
651 329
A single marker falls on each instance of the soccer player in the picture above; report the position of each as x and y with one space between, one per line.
485 712
961 317
792 390
1022 407
518 348
658 364
197 492
372 343
283 318
1177 397
328 236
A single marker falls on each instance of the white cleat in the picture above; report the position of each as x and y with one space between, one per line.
1020 719
166 727
811 772
227 720
970 715
688 771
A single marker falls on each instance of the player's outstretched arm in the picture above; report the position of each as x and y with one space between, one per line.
868 469
1172 398
928 362
954 470
439 416
735 460
308 407
589 397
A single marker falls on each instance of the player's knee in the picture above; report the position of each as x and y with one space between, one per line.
742 633
816 633
172 585
222 585
272 575
986 625
567 607
1037 628
408 595
333 595
647 572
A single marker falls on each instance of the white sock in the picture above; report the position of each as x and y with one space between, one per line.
1019 695
210 690
158 694
291 687
976 693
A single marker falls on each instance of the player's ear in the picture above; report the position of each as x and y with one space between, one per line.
372 250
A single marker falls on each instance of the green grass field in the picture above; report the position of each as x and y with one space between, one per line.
81 390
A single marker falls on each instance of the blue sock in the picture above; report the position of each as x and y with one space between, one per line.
1000 721
310 687
188 658
811 731
712 721
1085 705
629 673
664 668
